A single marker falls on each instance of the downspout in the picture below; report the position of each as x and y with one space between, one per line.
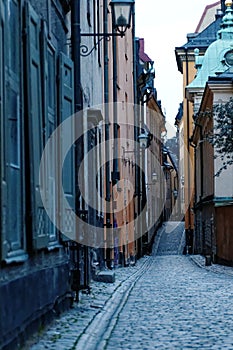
201 158
195 176
106 106
84 272
137 155
143 171
189 232
115 173
136 116
198 200
115 120
76 40
78 101
202 165
195 181
136 120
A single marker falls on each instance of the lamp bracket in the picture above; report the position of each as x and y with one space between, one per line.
85 51
104 35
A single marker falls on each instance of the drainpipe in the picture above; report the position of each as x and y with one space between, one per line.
201 159
195 180
106 101
115 172
136 114
79 150
143 232
115 121
78 101
137 155
201 165
76 40
189 231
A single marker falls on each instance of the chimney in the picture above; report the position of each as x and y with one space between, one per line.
219 13
141 41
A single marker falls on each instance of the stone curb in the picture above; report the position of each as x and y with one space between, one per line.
96 335
85 311
199 260
83 324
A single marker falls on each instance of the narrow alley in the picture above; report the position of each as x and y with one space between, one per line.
116 192
166 301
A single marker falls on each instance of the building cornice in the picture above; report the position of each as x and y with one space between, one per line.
187 54
223 201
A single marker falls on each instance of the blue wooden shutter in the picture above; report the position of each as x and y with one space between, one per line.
35 127
48 61
13 132
3 203
66 109
12 198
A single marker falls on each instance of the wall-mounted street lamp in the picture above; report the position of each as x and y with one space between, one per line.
168 166
144 139
182 180
121 19
146 93
175 194
121 15
154 179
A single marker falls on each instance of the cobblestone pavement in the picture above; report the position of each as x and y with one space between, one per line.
165 302
65 332
172 239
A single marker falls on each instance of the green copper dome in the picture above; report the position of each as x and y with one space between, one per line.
219 55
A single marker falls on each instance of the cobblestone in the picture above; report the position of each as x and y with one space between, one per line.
200 261
166 301
72 324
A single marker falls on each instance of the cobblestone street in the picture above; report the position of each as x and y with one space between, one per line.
167 301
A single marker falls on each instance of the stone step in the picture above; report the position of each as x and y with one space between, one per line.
106 276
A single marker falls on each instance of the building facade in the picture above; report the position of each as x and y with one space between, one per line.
149 177
213 204
36 93
59 59
198 43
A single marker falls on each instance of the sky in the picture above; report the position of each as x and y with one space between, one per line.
165 26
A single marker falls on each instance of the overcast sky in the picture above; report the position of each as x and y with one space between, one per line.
164 26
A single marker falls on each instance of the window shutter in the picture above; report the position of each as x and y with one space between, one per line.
66 109
3 203
13 132
11 196
35 127
49 108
